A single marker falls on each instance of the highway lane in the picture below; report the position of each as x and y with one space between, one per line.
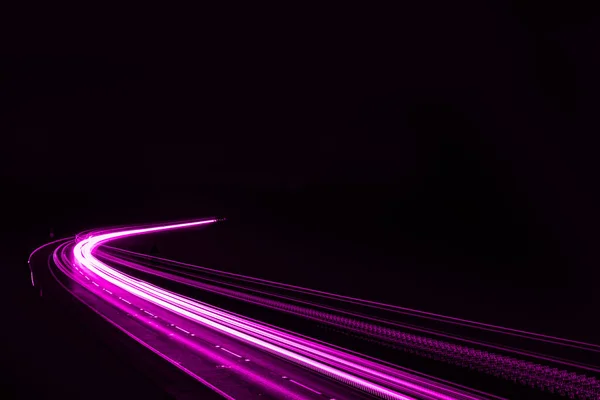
234 369
76 354
262 346
236 356
339 310
292 348
515 365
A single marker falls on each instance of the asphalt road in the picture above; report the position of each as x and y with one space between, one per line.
59 349
219 362
235 357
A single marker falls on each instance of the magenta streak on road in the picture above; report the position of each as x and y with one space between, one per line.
248 374
537 374
331 362
403 310
182 306
40 248
46 245
476 359
360 371
193 346
369 329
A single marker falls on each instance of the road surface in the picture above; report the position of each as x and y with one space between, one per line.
242 358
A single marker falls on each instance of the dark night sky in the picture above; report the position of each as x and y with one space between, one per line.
470 114
498 98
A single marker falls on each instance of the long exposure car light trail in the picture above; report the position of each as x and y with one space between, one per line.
93 266
83 254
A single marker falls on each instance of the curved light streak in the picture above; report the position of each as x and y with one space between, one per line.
229 324
375 377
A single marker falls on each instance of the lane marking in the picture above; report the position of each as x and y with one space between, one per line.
175 303
107 291
231 352
122 299
95 284
182 330
305 387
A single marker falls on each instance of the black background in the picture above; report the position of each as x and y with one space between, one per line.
456 142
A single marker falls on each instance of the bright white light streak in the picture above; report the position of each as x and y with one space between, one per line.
83 253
